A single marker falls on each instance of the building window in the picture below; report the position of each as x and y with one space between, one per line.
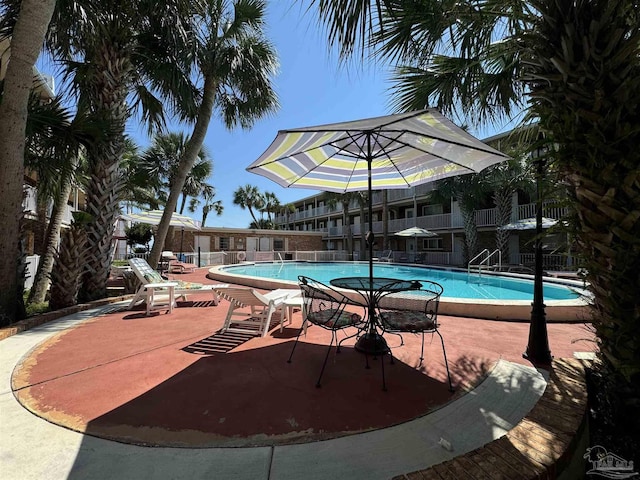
432 210
432 243
224 243
278 244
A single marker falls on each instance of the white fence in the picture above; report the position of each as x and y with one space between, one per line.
550 262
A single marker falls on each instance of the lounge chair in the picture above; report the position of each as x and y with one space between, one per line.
154 288
176 266
386 256
262 306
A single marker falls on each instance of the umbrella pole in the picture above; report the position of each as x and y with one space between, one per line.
181 239
371 342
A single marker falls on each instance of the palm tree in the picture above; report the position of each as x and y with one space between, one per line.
287 209
345 199
504 180
236 64
196 184
578 65
55 143
26 27
248 197
117 56
385 220
470 191
158 166
139 190
262 224
210 205
271 205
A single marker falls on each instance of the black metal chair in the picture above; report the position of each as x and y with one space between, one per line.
413 311
325 307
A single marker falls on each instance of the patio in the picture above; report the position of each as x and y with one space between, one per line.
172 380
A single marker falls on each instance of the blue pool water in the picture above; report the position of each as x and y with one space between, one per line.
456 284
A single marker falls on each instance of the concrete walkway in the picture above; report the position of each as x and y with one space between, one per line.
31 447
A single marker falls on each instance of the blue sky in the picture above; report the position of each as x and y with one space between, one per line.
313 89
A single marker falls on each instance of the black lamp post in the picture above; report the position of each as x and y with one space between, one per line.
538 346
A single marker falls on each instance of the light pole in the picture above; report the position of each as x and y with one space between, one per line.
538 347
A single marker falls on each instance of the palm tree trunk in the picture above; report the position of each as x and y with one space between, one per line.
470 233
385 220
42 207
347 225
502 200
27 39
108 94
41 281
66 278
191 150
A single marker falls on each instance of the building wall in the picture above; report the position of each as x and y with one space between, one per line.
238 238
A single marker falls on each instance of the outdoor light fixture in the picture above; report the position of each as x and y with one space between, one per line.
538 346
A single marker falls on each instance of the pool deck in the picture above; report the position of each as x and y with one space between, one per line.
69 385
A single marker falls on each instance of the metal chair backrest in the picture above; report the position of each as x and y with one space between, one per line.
324 306
425 299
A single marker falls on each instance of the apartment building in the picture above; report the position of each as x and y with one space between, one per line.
415 207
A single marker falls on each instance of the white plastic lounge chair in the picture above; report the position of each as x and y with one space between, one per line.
153 288
258 319
387 256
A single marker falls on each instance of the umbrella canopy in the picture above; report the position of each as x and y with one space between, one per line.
528 224
153 217
394 151
415 232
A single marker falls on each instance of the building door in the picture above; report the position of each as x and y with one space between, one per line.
252 244
203 242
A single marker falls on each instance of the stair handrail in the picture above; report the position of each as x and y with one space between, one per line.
485 260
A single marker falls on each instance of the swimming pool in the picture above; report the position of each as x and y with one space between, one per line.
483 296
456 284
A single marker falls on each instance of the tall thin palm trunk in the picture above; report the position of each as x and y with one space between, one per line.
42 278
192 148
502 200
27 39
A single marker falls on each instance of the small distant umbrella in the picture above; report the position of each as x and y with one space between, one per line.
528 224
153 217
415 232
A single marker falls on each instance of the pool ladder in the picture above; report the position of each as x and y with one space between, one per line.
485 256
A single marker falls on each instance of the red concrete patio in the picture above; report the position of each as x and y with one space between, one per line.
175 380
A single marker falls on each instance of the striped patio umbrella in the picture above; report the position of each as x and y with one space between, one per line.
393 151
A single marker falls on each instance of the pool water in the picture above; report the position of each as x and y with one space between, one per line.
456 284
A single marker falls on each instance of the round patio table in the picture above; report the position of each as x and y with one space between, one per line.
371 289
